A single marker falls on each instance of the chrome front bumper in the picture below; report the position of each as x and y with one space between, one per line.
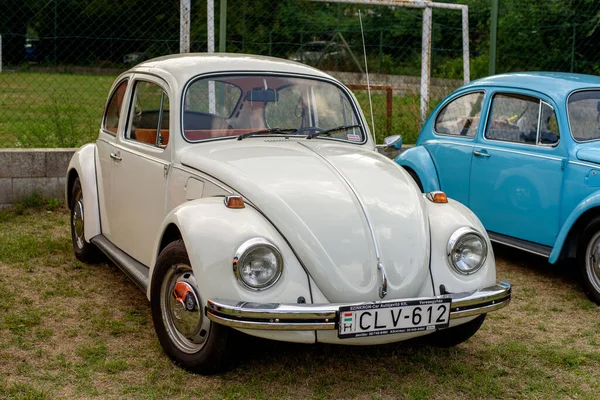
309 317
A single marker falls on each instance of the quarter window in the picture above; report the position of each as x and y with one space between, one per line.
150 115
516 118
113 110
460 117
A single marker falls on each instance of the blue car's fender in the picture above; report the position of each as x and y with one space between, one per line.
419 160
592 201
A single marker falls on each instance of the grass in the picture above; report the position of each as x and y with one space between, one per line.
72 330
64 110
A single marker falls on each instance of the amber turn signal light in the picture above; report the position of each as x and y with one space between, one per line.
437 197
234 201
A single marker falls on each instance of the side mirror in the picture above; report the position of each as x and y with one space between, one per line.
394 141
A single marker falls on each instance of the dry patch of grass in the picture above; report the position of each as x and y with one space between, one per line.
72 330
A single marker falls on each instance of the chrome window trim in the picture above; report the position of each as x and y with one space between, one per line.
129 122
508 150
482 91
569 114
340 86
540 126
583 164
486 139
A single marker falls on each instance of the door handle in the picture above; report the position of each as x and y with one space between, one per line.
115 157
481 153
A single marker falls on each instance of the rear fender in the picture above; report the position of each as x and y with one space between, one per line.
419 160
83 165
589 203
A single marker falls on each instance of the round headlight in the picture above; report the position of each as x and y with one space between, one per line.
257 264
467 251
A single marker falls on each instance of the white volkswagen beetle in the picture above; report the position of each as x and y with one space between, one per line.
244 192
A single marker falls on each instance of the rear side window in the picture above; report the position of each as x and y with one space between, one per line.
461 116
112 115
522 119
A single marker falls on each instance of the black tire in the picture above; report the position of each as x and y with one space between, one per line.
207 353
84 251
588 259
454 336
414 175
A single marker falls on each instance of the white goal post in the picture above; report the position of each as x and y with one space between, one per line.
427 7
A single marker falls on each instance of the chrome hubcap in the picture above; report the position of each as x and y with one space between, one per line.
78 222
181 309
592 264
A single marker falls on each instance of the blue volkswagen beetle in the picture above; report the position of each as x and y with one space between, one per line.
522 151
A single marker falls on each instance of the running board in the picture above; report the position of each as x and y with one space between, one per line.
136 271
524 245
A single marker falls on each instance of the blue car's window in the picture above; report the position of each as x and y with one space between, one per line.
460 117
584 115
516 118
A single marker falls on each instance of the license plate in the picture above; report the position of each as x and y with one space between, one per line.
385 318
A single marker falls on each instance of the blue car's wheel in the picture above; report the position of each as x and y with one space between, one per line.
589 259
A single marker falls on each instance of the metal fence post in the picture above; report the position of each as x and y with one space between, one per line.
223 27
465 37
0 53
425 62
573 51
210 26
184 26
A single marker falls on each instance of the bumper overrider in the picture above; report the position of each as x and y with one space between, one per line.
308 317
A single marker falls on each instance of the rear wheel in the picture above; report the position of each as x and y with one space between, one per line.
83 250
456 335
588 258
188 337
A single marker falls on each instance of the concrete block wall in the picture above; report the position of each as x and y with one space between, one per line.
24 172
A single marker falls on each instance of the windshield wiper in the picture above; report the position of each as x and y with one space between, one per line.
328 132
271 130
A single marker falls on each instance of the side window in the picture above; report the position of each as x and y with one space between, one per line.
514 118
150 114
460 117
548 126
113 110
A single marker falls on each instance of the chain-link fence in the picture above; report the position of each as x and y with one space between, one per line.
59 57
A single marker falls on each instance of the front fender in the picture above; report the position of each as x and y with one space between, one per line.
212 233
419 160
444 220
83 163
592 201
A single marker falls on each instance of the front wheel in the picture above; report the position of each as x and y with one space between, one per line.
188 337
589 260
83 250
456 335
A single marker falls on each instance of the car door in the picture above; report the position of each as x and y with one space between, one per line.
141 161
455 128
113 124
517 168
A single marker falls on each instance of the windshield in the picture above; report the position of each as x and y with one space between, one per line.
584 115
230 106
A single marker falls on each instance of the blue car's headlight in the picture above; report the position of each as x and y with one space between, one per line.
467 250
257 264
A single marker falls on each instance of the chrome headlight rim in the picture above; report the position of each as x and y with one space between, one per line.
455 239
242 252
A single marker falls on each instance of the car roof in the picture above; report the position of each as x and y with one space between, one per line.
554 84
183 67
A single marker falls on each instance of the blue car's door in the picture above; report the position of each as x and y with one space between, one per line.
454 128
517 169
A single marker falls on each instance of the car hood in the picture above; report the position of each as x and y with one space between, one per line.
312 192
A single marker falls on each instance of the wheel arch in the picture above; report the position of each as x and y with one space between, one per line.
420 162
83 166
570 244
